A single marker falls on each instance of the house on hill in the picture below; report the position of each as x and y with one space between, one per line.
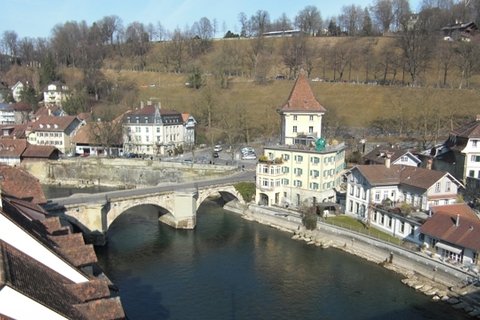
397 157
303 169
17 90
460 31
55 94
452 233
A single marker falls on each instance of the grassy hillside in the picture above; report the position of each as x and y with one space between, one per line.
357 104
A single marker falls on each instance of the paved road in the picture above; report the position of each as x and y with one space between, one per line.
247 175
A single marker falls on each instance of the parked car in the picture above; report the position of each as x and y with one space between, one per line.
249 156
247 150
217 148
215 154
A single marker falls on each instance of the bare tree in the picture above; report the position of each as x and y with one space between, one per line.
109 26
244 25
260 23
282 24
383 14
309 20
401 12
467 54
351 19
10 43
445 57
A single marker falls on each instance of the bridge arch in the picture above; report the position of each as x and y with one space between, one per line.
117 208
224 191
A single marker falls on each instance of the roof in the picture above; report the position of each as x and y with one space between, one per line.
42 284
83 135
468 130
380 175
21 107
443 225
377 155
150 114
52 123
20 184
40 151
302 98
13 148
49 110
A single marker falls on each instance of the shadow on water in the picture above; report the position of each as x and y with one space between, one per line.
229 268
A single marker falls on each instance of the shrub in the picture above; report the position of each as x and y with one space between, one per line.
247 190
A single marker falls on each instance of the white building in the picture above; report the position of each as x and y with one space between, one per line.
303 169
17 90
400 187
55 94
151 130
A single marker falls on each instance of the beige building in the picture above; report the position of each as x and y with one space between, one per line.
304 169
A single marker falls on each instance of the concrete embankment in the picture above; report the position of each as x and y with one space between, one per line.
121 172
434 278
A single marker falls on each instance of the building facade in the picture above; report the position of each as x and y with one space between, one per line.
151 130
54 131
304 169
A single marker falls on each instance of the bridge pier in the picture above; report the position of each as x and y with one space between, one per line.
185 209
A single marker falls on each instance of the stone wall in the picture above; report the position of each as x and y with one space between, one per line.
121 172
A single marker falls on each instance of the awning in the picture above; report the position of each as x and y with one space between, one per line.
447 247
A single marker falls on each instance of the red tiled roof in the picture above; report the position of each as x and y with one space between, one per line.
10 147
302 98
79 256
83 135
20 184
377 154
442 225
52 123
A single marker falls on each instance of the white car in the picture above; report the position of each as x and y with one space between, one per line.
247 150
249 156
217 148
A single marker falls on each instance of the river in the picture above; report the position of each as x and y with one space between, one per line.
231 268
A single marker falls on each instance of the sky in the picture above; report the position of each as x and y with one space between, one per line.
36 18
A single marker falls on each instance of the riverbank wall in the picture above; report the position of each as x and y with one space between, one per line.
128 173
430 276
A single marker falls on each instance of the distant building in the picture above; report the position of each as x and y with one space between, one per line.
54 131
283 33
397 157
304 169
15 113
460 31
17 90
151 130
55 94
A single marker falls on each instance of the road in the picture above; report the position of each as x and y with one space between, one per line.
245 175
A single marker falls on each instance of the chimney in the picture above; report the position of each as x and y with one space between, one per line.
141 105
478 117
49 111
457 221
388 155
429 164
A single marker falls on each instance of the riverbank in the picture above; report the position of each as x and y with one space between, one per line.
429 276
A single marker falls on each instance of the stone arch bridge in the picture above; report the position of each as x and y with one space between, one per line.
177 205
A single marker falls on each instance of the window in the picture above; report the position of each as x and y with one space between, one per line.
437 187
298 158
402 227
314 173
297 171
295 118
285 169
471 173
357 193
351 190
310 129
474 143
314 186
448 186
377 196
294 128
285 182
286 157
297 183
475 158
315 160
311 118
158 129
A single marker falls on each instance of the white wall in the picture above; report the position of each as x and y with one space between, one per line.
18 238
17 306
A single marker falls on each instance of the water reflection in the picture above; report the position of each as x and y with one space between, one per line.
229 268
